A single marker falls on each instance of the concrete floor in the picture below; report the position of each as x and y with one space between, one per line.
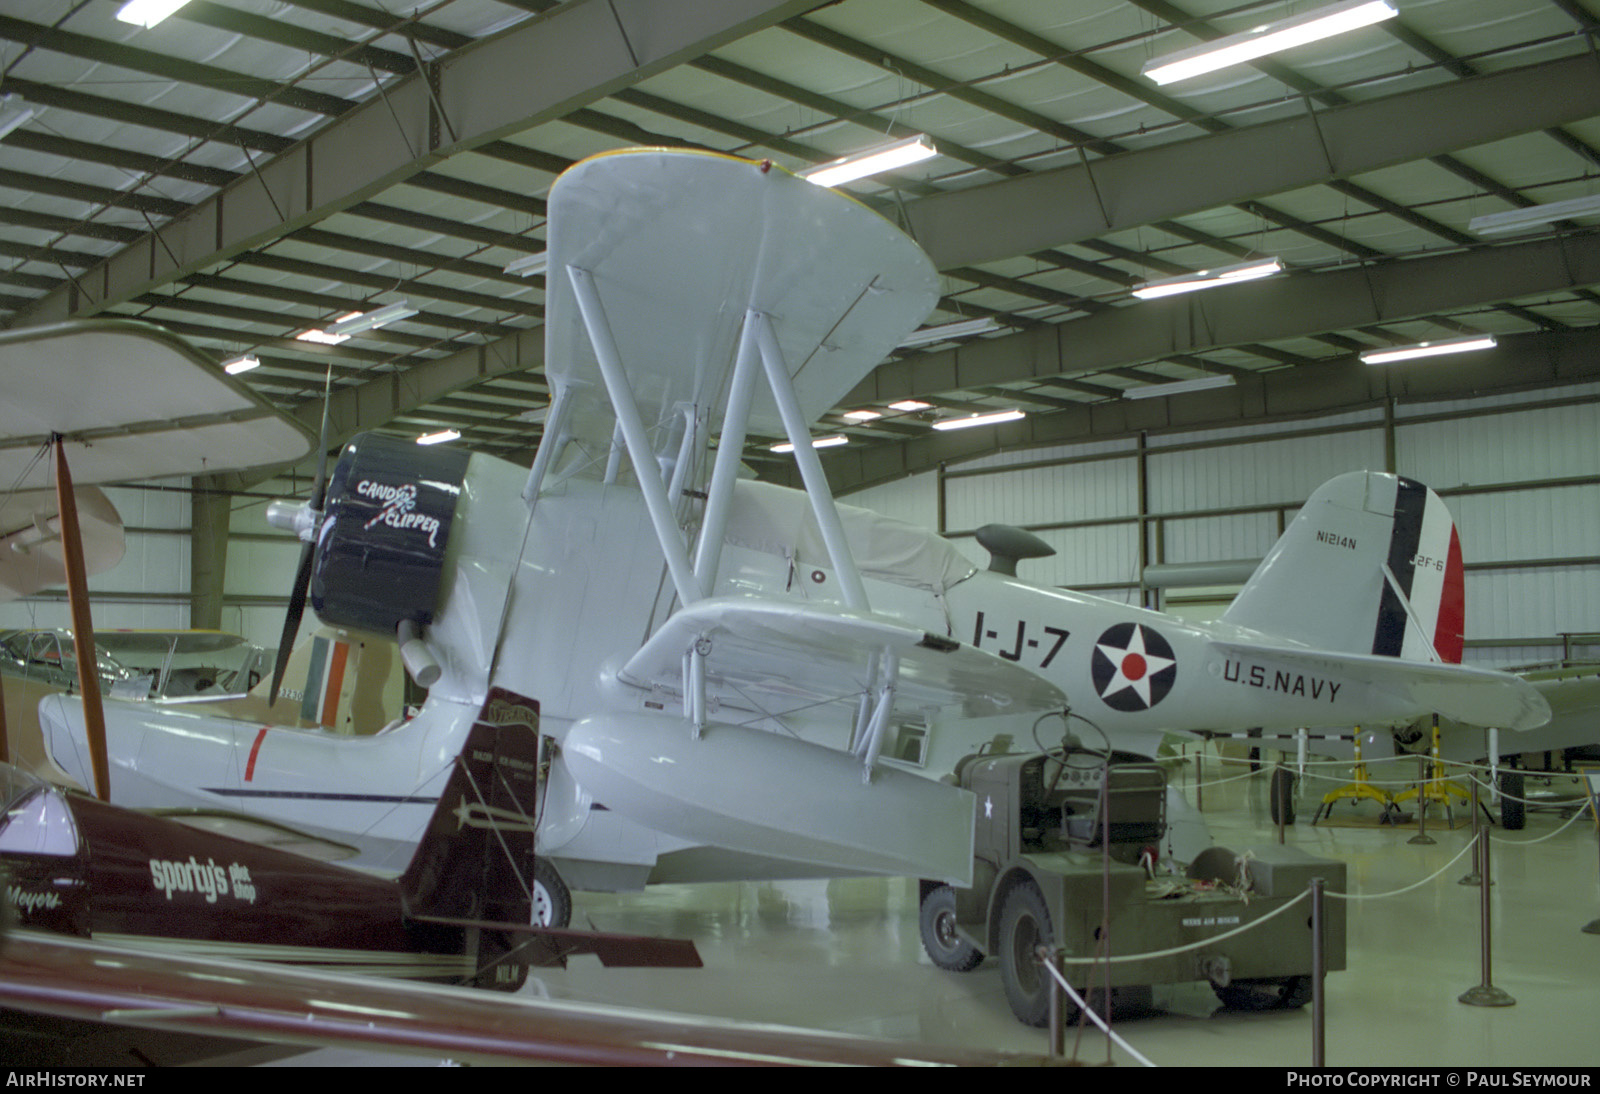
845 955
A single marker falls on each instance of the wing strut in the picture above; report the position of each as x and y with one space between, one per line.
730 447
645 466
811 473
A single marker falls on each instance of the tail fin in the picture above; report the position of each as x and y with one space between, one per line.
1372 564
475 862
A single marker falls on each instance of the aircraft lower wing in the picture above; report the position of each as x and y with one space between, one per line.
82 981
812 653
1479 697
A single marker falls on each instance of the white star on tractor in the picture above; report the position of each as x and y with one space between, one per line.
1135 666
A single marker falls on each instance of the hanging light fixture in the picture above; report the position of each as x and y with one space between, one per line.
1177 387
442 437
147 13
1534 216
357 322
872 161
1436 348
1208 279
1268 38
13 112
979 419
926 336
529 265
240 364
816 442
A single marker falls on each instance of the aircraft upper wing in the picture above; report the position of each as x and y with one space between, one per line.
817 652
1479 697
89 981
134 402
680 243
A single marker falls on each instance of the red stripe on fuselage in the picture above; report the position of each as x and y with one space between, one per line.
250 767
1447 635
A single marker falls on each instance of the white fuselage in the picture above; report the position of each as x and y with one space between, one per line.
551 607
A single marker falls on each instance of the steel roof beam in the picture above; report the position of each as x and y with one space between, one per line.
1519 362
495 87
1263 311
1000 220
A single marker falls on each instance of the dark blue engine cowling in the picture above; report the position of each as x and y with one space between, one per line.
386 520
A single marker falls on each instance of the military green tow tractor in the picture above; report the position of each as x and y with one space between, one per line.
1052 863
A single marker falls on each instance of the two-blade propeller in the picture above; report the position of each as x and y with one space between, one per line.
304 520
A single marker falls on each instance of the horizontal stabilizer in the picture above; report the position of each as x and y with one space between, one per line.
1479 697
816 652
758 792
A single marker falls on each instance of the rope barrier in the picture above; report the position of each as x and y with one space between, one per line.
1085 1009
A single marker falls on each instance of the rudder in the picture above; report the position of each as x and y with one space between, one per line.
1371 564
476 859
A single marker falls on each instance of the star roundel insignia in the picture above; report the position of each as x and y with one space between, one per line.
1132 667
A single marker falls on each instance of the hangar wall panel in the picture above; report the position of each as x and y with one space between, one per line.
1259 473
914 500
1061 493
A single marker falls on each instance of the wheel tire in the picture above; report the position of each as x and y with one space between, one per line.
945 948
1024 927
1513 810
552 901
1285 993
1280 795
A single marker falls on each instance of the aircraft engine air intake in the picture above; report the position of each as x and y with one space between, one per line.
386 521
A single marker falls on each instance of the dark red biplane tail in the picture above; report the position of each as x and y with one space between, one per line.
473 869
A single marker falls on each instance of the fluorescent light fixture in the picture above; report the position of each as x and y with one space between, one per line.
441 437
1208 279
241 364
910 405
979 419
529 265
147 13
943 333
1534 216
328 337
357 322
861 415
1429 349
1268 38
873 161
13 112
816 442
1177 387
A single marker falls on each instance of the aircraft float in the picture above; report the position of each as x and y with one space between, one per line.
731 673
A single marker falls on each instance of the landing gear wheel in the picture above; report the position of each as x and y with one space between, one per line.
1513 810
945 947
1024 927
1280 796
1286 993
552 902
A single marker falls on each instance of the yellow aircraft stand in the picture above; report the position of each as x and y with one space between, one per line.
1436 788
1356 790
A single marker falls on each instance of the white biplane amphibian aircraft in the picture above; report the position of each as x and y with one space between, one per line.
726 668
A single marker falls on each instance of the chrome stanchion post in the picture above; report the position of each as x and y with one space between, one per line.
1476 877
1058 1022
1485 994
1422 839
1319 1018
1593 926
